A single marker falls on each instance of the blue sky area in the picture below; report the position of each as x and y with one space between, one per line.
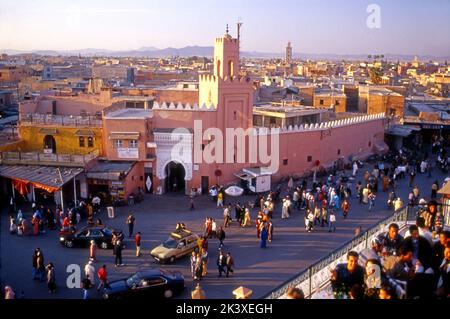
314 26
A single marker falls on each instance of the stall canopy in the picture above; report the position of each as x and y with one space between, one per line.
48 178
111 171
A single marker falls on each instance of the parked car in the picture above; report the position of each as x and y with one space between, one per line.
156 283
180 243
102 236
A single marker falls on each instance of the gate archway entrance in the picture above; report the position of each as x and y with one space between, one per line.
175 178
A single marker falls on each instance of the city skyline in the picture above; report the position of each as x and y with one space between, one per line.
319 27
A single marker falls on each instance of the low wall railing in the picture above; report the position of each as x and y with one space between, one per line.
317 276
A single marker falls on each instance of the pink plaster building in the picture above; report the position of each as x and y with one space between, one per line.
225 101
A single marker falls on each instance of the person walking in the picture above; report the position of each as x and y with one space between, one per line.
130 222
412 175
86 284
89 270
204 259
332 223
137 241
247 218
226 216
355 168
118 252
193 260
102 275
191 202
229 264
198 267
51 279
93 251
221 263
371 199
220 236
270 230
263 239
345 207
40 266
220 199
34 263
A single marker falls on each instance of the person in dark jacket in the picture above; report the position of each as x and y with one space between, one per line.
347 275
420 247
439 248
130 222
118 253
230 264
221 263
391 241
220 235
444 280
51 280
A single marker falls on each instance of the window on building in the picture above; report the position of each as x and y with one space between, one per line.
185 86
141 178
309 158
273 120
81 141
133 144
285 162
90 141
339 152
118 143
370 144
336 102
235 115
321 102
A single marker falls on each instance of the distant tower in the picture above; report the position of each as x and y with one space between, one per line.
288 58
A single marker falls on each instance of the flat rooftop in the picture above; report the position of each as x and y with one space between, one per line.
286 111
130 114
387 92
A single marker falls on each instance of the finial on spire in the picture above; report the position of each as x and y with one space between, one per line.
228 30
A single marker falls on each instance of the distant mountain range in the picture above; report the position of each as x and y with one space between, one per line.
208 52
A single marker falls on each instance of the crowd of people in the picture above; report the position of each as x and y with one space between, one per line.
405 265
397 267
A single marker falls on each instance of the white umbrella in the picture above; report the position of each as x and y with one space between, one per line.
234 191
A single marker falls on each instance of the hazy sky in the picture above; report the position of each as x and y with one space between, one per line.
313 26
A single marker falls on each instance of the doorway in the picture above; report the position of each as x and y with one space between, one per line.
176 174
50 144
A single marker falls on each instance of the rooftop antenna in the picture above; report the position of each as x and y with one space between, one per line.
239 26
